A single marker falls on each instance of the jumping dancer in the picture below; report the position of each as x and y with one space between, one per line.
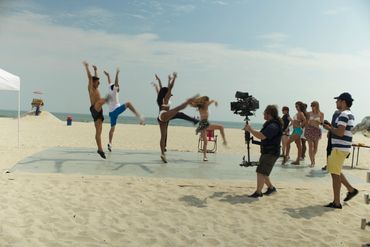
115 108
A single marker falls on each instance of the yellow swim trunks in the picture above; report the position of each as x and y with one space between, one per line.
336 160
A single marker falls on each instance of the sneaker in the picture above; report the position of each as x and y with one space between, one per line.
109 147
333 205
256 195
350 195
102 154
269 191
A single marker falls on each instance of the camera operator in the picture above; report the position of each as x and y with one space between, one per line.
270 136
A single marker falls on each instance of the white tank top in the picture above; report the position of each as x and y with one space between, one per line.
114 102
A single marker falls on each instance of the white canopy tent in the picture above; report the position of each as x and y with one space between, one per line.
10 82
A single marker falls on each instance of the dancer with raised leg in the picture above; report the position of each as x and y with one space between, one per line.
96 104
115 108
165 113
202 104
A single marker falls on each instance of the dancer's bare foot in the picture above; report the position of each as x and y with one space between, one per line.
141 120
188 101
295 162
163 157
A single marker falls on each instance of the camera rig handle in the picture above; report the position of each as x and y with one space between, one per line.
248 138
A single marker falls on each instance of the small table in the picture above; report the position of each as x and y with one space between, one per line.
359 145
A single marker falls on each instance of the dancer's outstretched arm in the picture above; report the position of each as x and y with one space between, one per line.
108 76
116 80
171 83
159 81
212 101
89 77
95 70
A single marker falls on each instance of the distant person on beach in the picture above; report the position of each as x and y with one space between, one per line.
341 139
286 130
329 147
303 137
165 113
115 108
313 132
297 123
202 104
270 136
96 104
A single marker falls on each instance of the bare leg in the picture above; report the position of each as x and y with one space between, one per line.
260 182
303 149
284 141
204 137
311 153
315 147
111 132
336 188
132 108
166 116
268 182
162 143
287 150
220 128
297 141
98 130
345 182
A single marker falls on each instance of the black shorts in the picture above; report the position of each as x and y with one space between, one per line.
95 114
266 163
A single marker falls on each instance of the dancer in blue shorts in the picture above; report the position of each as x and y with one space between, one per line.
115 108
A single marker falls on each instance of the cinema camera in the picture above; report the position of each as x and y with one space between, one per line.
245 106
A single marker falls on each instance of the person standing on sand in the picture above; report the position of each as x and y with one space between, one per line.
313 131
341 140
270 136
202 103
297 122
286 130
115 108
96 104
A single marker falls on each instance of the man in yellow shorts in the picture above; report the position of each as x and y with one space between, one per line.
341 139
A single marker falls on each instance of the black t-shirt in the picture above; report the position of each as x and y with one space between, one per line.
272 130
285 119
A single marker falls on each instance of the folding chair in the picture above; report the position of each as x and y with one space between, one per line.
211 138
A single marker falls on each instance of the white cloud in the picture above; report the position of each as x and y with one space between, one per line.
336 11
90 17
48 58
274 39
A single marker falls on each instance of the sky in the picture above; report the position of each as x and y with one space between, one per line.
278 51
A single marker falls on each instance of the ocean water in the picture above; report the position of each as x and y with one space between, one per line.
124 119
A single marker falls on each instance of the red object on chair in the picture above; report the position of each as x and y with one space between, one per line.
211 137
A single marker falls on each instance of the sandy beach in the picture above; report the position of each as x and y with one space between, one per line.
39 209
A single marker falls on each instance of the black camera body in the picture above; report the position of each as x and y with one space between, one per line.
245 105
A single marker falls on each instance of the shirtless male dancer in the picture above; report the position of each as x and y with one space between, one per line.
115 108
96 103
